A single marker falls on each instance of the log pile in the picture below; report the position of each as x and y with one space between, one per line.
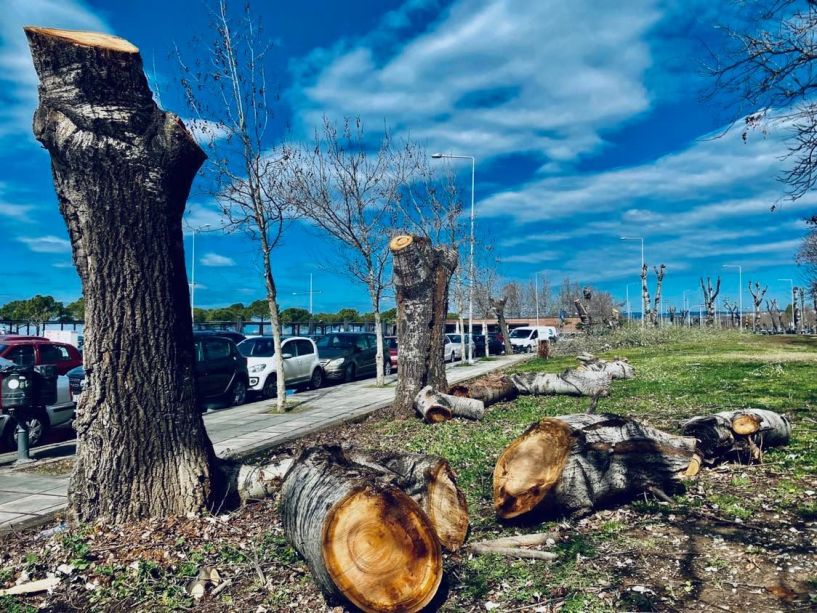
740 435
576 463
365 541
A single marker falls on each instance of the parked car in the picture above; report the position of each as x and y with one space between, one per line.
526 339
345 356
390 345
57 415
301 364
455 353
234 336
495 345
220 372
37 350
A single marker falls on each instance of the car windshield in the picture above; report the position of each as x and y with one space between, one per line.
520 333
455 338
331 341
257 348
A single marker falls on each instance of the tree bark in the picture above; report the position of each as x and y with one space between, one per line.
499 308
645 295
659 283
365 541
710 295
757 299
432 484
489 389
577 463
619 368
740 435
572 382
421 277
436 407
122 169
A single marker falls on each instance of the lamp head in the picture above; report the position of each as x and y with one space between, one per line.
436 156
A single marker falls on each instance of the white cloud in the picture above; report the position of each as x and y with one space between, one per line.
46 244
17 212
488 78
17 75
216 260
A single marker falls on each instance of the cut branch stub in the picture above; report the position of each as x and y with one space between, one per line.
365 541
742 434
576 463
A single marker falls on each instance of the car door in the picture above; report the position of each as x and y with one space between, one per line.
371 352
306 357
291 363
204 384
219 365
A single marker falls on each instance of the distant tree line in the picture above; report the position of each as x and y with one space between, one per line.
258 311
40 309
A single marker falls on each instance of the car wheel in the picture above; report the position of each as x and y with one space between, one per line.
270 389
349 373
239 393
37 429
387 368
316 381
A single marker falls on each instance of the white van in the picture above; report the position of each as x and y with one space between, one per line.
526 339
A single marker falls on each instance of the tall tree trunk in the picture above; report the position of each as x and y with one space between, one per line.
710 295
757 299
275 321
659 276
499 308
122 169
378 334
422 274
645 295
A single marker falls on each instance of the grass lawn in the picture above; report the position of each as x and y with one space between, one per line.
740 538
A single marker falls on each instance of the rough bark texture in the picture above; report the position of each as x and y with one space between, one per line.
365 541
646 313
659 283
619 368
710 295
122 169
489 389
572 382
499 308
740 435
774 315
436 407
757 299
421 277
430 481
577 463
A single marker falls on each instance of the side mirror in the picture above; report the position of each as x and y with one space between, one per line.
286 356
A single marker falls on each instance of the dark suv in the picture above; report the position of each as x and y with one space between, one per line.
37 350
220 370
345 356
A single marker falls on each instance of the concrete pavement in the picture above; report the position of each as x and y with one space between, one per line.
28 498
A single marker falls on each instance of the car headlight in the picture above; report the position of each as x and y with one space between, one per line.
257 368
13 384
336 362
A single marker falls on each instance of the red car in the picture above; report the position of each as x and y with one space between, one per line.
36 350
390 345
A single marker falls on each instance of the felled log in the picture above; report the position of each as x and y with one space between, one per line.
575 463
489 389
431 482
742 434
436 407
365 541
618 368
572 382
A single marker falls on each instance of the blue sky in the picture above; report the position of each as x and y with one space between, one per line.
585 117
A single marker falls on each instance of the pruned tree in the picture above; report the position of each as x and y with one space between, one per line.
798 304
672 310
122 169
774 315
734 312
710 295
659 282
757 299
350 191
646 313
228 95
498 306
583 309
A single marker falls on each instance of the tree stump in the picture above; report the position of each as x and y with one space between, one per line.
365 541
431 482
576 463
122 169
421 277
742 434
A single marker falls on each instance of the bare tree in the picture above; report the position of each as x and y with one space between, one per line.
645 296
710 295
659 276
770 69
226 88
757 299
734 312
774 315
513 292
351 192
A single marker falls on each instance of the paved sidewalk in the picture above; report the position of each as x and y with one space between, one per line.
28 498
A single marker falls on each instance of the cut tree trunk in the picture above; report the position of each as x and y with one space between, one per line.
365 541
430 481
489 389
741 435
659 283
421 277
499 308
122 169
619 368
577 463
572 382
646 312
436 407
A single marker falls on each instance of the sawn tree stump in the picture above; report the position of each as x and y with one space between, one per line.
365 541
576 463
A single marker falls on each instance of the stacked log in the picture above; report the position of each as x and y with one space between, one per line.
742 434
576 463
364 540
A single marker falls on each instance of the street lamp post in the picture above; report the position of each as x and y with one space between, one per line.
193 271
438 156
740 295
643 303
